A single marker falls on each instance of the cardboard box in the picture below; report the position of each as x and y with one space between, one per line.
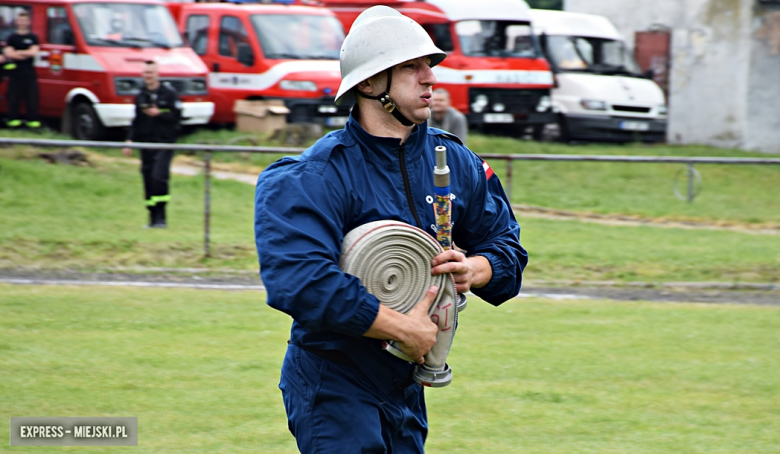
260 116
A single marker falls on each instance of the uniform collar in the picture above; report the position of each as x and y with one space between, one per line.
385 149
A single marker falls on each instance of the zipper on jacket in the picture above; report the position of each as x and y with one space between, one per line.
407 186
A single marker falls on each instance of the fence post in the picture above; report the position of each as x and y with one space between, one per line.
691 194
508 185
207 203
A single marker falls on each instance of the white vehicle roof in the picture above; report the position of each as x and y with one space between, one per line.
457 10
573 24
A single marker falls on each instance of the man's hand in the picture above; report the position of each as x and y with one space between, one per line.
127 151
468 271
152 111
422 331
414 331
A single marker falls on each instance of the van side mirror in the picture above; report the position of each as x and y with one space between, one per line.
245 55
650 74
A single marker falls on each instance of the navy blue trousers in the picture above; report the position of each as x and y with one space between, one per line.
333 408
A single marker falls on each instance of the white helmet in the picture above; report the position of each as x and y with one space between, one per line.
379 39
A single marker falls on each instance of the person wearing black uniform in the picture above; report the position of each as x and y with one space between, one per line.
157 114
20 50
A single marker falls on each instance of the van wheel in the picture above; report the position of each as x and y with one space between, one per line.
86 124
563 130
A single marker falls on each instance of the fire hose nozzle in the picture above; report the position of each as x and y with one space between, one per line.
441 173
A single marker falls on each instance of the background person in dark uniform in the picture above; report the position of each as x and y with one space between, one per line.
20 50
157 114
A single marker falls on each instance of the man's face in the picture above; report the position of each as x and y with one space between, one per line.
441 102
150 75
411 88
23 22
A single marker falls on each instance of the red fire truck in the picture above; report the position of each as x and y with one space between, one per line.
268 51
92 53
495 71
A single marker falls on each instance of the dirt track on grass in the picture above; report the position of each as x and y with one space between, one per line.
701 292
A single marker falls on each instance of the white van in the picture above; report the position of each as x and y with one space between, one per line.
600 93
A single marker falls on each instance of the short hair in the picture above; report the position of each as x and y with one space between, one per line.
23 14
442 91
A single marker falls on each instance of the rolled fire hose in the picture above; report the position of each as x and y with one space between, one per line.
393 261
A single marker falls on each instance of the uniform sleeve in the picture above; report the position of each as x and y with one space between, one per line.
35 40
172 114
491 230
299 220
131 131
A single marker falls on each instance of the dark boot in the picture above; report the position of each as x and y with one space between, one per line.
152 216
159 221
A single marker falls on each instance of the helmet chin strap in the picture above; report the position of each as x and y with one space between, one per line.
387 101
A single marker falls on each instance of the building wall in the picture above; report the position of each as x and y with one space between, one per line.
725 66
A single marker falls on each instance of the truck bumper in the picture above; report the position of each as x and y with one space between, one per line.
519 119
619 129
116 115
323 111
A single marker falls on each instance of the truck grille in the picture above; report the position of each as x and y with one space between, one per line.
180 85
513 100
634 109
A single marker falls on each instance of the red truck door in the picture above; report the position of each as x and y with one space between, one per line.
57 44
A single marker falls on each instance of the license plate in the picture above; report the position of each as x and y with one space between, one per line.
634 126
499 118
336 121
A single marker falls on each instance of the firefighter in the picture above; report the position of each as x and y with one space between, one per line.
342 392
157 115
20 51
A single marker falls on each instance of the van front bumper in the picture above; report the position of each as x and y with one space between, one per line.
618 129
116 115
518 119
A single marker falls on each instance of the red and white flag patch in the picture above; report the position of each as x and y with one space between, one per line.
488 170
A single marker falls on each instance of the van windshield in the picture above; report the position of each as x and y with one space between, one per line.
593 55
299 36
127 25
496 38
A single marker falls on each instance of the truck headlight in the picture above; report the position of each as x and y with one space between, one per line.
327 109
662 110
128 85
479 104
197 87
590 104
300 85
544 104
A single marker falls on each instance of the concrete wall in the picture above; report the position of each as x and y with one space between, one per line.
725 66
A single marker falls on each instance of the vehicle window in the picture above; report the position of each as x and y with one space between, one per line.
564 54
197 33
585 49
58 28
496 38
127 25
231 34
8 19
596 55
441 36
299 36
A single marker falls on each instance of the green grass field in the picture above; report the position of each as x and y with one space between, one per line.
55 216
731 194
199 369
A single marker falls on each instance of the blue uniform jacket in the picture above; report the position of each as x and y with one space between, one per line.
305 205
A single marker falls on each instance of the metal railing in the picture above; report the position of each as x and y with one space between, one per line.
208 149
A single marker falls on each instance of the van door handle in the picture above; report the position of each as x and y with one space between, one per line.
215 67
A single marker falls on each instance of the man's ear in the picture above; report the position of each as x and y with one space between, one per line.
365 87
